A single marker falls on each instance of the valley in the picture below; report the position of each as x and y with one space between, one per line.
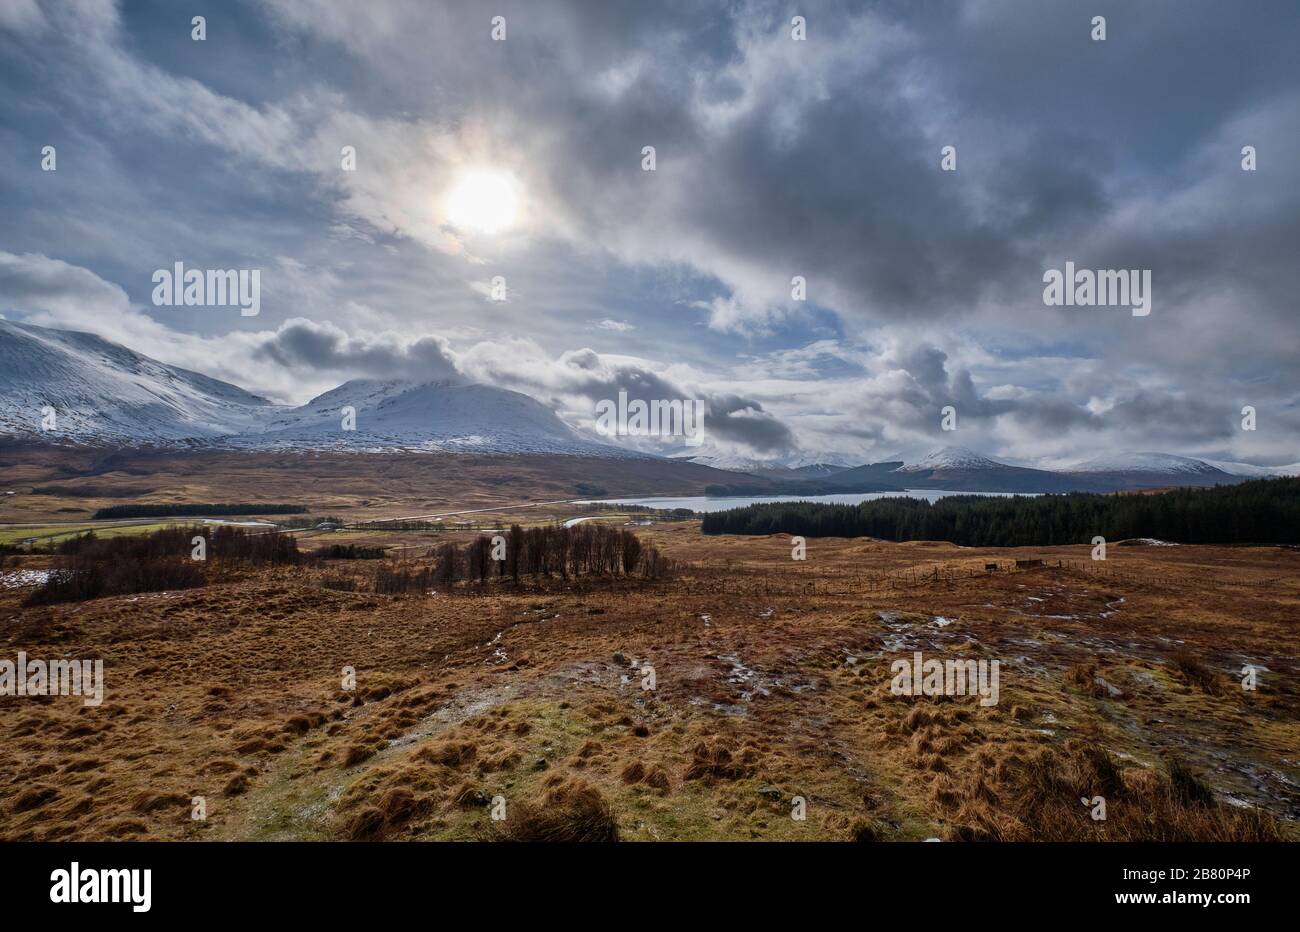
70 484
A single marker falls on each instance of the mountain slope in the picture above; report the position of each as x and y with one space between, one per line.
791 467
958 469
951 458
442 415
1165 463
1150 471
1255 472
102 391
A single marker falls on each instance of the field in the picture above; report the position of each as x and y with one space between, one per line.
771 699
63 485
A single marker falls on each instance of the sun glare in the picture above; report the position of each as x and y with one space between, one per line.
485 201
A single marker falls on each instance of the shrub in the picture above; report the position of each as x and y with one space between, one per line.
91 566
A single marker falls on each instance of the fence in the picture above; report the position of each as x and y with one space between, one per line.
805 579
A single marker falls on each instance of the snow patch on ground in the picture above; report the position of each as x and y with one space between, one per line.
22 578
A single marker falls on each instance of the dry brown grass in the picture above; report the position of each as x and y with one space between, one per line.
573 812
1084 676
1197 674
772 680
1048 796
357 486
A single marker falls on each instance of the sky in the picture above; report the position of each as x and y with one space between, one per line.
775 157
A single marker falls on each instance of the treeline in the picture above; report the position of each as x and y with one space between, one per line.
583 549
188 511
599 507
306 521
90 566
350 552
1265 511
555 551
401 526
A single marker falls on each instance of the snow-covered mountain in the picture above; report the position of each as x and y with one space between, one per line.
1158 470
1164 463
951 458
800 467
1255 472
99 391
961 469
812 470
448 415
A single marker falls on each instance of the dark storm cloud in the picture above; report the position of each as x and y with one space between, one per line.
743 421
586 374
305 344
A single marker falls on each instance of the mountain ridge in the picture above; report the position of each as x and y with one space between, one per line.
101 392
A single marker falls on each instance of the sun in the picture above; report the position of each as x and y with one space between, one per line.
484 200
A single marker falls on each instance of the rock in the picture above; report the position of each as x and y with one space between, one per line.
1114 691
770 792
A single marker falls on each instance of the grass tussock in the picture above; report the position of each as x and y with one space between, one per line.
571 812
712 761
1196 674
448 753
1084 677
392 813
357 753
1049 796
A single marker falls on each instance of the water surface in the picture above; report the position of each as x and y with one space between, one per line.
702 503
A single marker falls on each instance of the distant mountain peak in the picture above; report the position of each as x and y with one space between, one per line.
1144 462
952 457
